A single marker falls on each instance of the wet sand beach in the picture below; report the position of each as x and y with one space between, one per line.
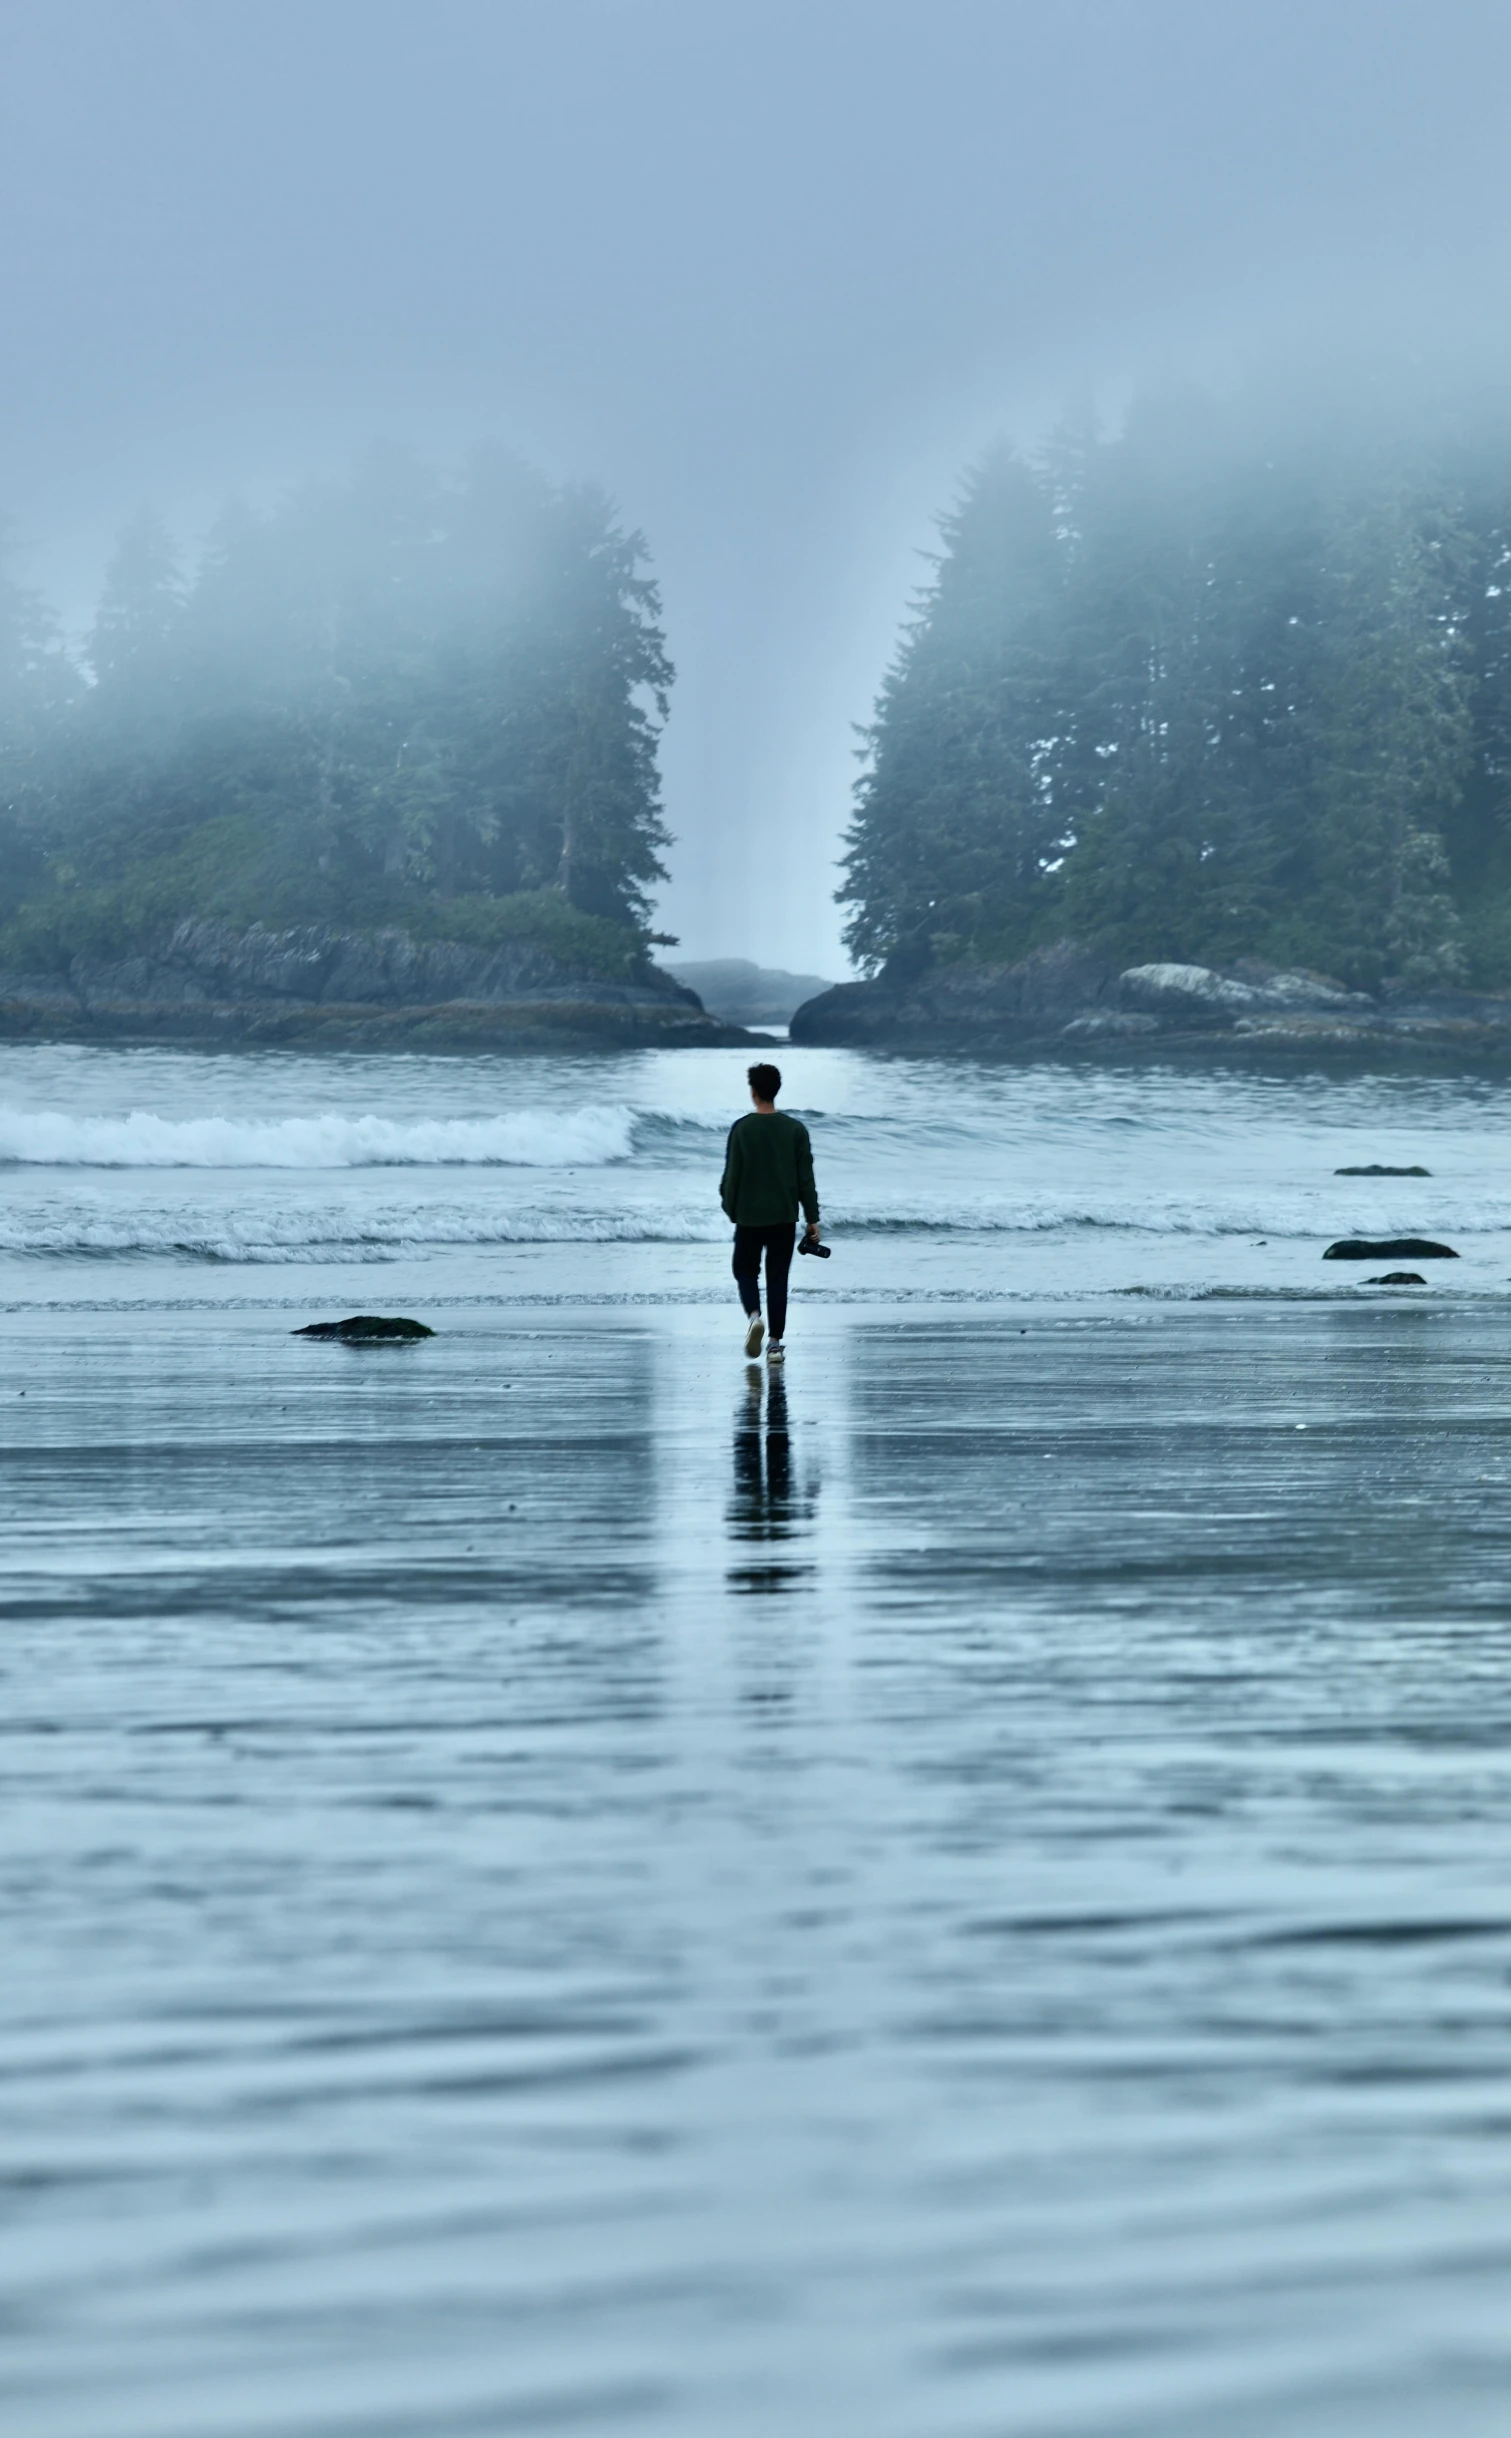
553 1881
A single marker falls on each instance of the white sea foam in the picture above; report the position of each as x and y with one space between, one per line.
525 1138
415 1164
1300 1219
310 1232
305 1226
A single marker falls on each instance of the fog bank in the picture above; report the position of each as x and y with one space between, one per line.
772 280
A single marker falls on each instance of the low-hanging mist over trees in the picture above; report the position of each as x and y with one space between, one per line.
1235 683
404 697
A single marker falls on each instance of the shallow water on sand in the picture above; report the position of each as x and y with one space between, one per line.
551 1880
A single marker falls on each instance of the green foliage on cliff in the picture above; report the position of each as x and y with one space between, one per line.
402 698
1234 683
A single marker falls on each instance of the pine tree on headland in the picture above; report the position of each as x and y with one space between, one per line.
1391 730
399 698
1221 687
1164 854
560 700
38 691
956 827
132 647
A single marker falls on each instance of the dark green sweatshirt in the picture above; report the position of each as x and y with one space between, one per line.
768 1171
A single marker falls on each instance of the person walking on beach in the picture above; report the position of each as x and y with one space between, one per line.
768 1174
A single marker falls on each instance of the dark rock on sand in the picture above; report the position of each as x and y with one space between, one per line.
364 1328
1389 1248
1397 1278
1375 1170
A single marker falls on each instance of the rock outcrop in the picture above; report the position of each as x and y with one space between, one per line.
1388 1248
368 1329
319 984
953 1007
1195 990
1065 998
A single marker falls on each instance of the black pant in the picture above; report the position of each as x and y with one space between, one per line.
777 1244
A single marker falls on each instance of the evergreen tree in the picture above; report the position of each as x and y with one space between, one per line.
389 691
560 692
132 647
956 836
1391 735
1477 827
38 691
1179 782
1231 684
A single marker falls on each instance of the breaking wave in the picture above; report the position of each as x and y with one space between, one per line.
525 1138
360 1230
266 1166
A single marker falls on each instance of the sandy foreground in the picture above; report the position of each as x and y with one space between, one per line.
551 1880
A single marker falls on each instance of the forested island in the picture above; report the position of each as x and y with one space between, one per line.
1227 694
384 760
1202 725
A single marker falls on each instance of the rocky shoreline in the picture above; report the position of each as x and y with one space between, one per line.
1064 1000
321 987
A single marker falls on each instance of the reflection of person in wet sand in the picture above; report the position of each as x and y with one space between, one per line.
768 1175
768 1506
763 1493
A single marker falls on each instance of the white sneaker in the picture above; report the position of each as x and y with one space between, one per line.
755 1335
776 1352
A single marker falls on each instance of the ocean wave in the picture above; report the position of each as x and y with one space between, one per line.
345 1236
591 1135
370 1217
326 1236
1071 1217
523 1138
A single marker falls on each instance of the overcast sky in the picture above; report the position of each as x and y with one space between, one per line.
770 272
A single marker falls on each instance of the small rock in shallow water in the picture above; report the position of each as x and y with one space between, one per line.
1389 1248
363 1327
1375 1170
1397 1278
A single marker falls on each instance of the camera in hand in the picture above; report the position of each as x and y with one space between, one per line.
810 1244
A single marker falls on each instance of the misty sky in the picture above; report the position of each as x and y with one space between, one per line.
770 272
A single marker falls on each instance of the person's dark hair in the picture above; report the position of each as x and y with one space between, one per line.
765 1082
